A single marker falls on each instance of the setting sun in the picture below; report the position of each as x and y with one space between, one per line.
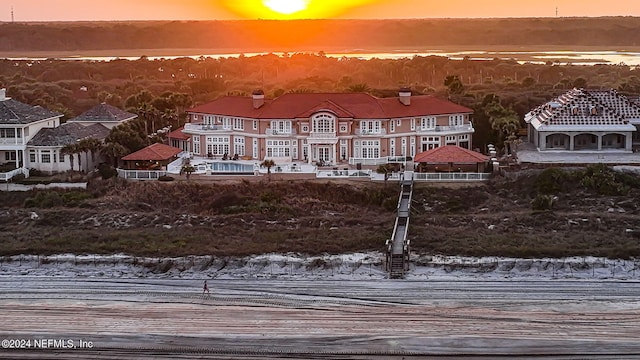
286 6
291 9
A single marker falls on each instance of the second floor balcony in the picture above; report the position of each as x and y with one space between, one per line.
443 128
322 135
280 132
368 132
12 141
190 127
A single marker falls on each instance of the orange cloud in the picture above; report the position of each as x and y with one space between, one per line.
315 9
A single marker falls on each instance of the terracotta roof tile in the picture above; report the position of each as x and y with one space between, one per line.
450 154
581 107
154 152
356 105
421 105
178 134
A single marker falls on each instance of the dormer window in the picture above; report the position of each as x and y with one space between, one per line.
575 110
594 110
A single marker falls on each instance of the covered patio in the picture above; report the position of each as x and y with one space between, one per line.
451 159
153 157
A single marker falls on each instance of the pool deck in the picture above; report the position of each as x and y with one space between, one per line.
289 167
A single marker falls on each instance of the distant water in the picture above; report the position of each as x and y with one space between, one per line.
630 58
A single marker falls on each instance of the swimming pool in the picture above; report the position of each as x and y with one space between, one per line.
224 167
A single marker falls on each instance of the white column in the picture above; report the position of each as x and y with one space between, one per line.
571 142
335 152
599 141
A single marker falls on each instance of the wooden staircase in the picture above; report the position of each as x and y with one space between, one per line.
398 246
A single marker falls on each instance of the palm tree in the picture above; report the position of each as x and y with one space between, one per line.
113 151
268 164
91 145
187 169
359 88
70 149
506 123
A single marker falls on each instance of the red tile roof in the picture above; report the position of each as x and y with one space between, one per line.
154 152
348 105
178 134
450 154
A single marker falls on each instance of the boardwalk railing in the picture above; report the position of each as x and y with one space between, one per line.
398 246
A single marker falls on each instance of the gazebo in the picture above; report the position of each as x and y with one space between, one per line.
153 157
451 158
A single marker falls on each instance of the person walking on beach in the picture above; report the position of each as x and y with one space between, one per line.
205 288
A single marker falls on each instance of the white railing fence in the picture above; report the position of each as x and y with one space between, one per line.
461 176
6 176
141 174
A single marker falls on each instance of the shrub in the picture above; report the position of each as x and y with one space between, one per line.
270 196
49 199
107 171
543 202
551 181
165 178
384 169
36 172
603 180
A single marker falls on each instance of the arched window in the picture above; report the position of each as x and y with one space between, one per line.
323 123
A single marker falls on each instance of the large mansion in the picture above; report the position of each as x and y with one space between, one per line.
326 128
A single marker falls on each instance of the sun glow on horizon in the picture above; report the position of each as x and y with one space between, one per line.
292 9
286 7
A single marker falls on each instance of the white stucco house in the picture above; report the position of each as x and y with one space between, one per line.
585 120
19 123
32 137
45 148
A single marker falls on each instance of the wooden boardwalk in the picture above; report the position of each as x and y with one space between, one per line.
398 245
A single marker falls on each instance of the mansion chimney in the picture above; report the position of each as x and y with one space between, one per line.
405 96
258 98
3 95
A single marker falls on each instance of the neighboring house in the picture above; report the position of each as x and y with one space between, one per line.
45 148
585 120
153 157
326 128
451 158
19 123
105 114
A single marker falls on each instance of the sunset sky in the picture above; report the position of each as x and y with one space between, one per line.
78 10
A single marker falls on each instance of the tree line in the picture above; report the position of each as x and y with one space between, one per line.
160 91
296 35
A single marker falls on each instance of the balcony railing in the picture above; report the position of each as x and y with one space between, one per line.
320 135
276 132
442 128
12 141
363 132
206 127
